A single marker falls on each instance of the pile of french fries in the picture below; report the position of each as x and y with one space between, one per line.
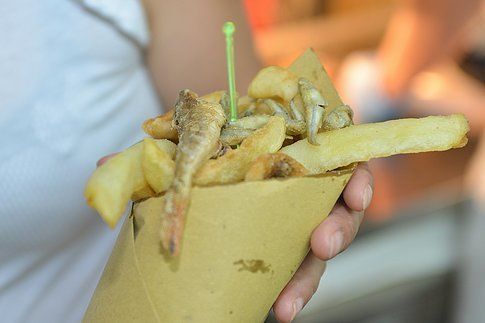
147 168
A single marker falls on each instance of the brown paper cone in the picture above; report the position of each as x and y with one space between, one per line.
242 244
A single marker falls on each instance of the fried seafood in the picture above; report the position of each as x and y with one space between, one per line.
340 117
276 165
293 126
161 127
232 167
212 150
315 105
198 124
254 112
234 132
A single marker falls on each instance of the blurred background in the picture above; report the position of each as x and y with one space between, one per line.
420 255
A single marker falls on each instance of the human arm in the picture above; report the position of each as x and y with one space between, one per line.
187 48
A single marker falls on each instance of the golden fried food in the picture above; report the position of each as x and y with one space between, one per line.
235 132
161 127
198 124
305 92
293 126
233 166
274 82
111 186
158 166
314 105
245 106
340 117
282 106
276 165
249 123
234 136
143 193
213 97
358 143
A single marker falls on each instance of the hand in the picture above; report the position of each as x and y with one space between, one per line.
330 238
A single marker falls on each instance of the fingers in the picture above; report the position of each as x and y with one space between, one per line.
336 233
105 159
330 238
300 289
358 192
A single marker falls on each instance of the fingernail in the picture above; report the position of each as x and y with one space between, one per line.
336 243
367 197
297 306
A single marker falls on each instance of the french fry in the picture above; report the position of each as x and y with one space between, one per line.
214 97
274 82
161 127
359 143
141 188
142 193
110 187
244 103
277 165
233 166
158 166
112 184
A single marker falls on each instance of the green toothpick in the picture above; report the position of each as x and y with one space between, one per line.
228 29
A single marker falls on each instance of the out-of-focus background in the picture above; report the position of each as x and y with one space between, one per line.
420 255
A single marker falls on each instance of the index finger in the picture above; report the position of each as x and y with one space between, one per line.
359 190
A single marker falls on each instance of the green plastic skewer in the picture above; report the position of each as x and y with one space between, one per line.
228 29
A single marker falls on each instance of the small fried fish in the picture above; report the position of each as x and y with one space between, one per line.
198 123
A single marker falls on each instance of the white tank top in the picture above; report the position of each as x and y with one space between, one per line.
73 87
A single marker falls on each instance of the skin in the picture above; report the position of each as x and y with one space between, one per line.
174 66
329 239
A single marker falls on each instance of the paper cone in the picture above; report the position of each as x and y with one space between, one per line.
242 244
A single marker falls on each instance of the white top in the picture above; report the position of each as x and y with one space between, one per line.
73 88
